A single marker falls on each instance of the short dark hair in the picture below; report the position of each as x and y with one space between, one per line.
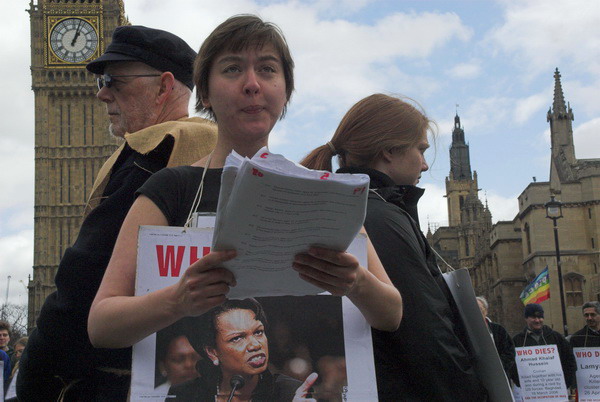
592 304
236 34
5 326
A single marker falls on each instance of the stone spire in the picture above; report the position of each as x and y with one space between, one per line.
460 164
563 158
558 106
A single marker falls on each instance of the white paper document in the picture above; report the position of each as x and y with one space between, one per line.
271 209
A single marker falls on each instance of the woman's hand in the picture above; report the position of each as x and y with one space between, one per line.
204 284
304 389
337 272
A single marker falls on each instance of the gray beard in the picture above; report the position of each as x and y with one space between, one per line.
111 131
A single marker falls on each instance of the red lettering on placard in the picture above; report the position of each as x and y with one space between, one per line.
168 261
194 253
359 190
543 351
324 176
264 155
256 172
523 352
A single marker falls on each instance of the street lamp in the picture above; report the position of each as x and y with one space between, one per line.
554 212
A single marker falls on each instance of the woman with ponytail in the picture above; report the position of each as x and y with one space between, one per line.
428 357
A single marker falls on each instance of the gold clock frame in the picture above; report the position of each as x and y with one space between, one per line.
50 59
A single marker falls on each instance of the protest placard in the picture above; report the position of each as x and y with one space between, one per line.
328 334
588 374
540 373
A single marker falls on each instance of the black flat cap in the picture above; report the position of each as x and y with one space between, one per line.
159 49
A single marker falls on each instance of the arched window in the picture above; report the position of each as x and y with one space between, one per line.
573 289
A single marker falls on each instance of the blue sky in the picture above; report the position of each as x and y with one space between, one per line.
495 59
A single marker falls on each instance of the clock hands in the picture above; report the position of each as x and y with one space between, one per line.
77 33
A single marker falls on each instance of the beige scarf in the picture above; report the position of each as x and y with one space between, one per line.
194 138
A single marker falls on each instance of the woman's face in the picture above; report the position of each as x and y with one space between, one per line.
405 167
241 344
180 361
246 92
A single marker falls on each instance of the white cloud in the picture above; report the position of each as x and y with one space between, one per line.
433 208
16 260
16 173
527 107
486 114
502 208
466 70
558 32
587 139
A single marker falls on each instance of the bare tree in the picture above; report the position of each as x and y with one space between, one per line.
16 316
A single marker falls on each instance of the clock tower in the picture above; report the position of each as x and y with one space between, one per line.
71 126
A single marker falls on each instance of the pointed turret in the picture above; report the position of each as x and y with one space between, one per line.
560 117
559 99
460 164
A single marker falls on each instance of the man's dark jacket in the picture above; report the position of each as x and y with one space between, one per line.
551 337
585 338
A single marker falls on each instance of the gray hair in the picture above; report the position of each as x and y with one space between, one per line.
593 304
483 301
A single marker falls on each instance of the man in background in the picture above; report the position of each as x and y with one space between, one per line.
5 338
504 345
589 335
145 79
536 333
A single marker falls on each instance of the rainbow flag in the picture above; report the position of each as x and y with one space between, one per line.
538 290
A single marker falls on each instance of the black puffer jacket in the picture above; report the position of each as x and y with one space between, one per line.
426 358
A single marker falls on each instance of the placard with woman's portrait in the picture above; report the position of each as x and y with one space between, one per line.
269 348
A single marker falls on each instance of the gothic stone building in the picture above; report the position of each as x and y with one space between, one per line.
503 258
71 128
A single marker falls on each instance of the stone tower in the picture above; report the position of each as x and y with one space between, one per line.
71 127
460 182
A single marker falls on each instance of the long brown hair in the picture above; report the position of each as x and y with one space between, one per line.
373 125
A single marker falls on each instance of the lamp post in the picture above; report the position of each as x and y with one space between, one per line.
554 212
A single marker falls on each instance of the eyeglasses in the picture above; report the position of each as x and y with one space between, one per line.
107 80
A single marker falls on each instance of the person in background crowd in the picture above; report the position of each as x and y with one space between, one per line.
7 369
19 348
536 333
145 79
502 341
175 358
589 335
427 357
5 338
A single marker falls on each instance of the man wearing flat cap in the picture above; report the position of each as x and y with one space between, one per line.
536 333
145 79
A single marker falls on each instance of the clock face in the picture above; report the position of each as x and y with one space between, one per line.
73 40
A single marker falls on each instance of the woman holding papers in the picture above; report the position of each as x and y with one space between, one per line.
427 357
244 79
